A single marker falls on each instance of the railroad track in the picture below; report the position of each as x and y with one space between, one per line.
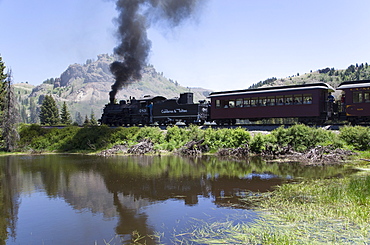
249 127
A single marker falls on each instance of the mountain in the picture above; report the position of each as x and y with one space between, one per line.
85 89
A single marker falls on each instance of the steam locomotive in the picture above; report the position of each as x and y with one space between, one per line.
308 103
155 110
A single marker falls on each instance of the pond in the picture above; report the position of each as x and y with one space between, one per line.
78 199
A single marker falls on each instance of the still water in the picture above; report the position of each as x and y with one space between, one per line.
76 199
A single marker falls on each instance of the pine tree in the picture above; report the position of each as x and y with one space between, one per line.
34 111
65 116
3 76
93 121
78 119
23 115
86 122
9 116
49 114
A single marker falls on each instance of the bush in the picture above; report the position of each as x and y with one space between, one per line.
357 136
302 137
155 134
260 141
225 138
88 139
29 133
175 138
123 135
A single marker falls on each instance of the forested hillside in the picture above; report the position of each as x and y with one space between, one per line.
328 75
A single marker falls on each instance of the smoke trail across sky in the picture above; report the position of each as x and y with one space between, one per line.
135 17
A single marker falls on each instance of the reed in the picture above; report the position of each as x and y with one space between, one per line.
331 211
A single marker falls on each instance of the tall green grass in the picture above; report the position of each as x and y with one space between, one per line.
331 211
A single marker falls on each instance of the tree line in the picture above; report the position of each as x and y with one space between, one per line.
328 75
49 114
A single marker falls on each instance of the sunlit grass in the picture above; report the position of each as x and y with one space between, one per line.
335 211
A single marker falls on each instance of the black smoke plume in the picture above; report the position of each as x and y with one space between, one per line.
135 17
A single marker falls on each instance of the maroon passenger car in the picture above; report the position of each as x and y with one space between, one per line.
307 102
355 101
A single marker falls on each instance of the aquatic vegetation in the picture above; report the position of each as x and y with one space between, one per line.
334 211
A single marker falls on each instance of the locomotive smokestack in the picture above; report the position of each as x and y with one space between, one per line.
134 19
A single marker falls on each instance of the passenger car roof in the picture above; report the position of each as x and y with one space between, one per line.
275 89
354 84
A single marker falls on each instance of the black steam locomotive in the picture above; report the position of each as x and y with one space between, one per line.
155 110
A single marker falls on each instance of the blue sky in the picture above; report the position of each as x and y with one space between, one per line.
229 44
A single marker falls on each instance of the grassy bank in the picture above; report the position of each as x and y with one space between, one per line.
94 139
331 211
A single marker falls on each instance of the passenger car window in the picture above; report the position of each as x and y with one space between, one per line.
307 99
262 101
367 97
254 101
279 100
271 100
297 99
288 100
357 97
239 102
246 103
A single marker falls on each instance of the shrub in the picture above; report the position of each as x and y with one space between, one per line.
195 133
153 133
225 138
29 133
260 141
357 136
91 138
123 135
175 138
302 137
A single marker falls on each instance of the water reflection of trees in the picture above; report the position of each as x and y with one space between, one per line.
10 187
122 186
